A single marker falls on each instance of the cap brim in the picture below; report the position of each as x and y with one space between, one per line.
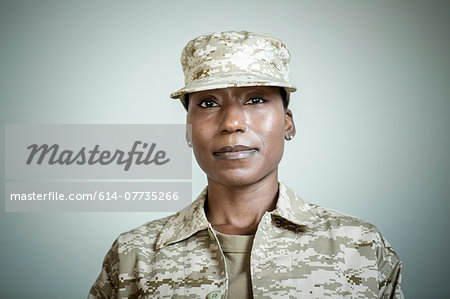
231 80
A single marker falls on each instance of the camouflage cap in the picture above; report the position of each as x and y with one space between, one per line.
234 59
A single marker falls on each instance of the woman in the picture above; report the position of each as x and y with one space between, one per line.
246 235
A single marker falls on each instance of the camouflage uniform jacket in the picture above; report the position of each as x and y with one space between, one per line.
300 250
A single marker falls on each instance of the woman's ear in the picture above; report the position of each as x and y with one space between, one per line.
189 134
289 129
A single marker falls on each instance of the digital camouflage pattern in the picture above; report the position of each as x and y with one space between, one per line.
300 250
234 59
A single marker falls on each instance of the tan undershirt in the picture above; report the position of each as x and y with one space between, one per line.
236 249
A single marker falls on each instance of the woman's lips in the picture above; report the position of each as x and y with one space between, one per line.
235 152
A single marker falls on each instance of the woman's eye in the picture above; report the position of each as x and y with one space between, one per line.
255 101
208 104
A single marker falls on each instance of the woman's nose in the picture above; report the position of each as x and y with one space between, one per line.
234 119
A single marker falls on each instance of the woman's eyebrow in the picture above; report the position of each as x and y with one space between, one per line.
256 93
202 96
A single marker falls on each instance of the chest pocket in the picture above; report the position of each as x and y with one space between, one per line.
192 268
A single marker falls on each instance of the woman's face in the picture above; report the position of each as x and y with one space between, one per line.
238 133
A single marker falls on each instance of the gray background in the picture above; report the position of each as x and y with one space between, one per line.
372 116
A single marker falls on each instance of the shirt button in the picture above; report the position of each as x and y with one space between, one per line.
214 295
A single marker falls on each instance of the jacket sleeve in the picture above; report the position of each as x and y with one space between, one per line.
106 285
390 272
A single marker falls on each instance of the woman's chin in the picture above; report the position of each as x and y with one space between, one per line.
238 178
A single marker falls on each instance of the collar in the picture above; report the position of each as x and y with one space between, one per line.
192 219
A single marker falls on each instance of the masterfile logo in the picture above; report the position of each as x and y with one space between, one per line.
53 155
97 152
97 168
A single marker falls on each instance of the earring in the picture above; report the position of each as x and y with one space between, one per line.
189 143
289 137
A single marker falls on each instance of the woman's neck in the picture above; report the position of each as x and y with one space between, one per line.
237 210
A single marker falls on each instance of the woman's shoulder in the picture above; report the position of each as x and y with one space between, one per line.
145 235
324 223
300 211
334 218
350 231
